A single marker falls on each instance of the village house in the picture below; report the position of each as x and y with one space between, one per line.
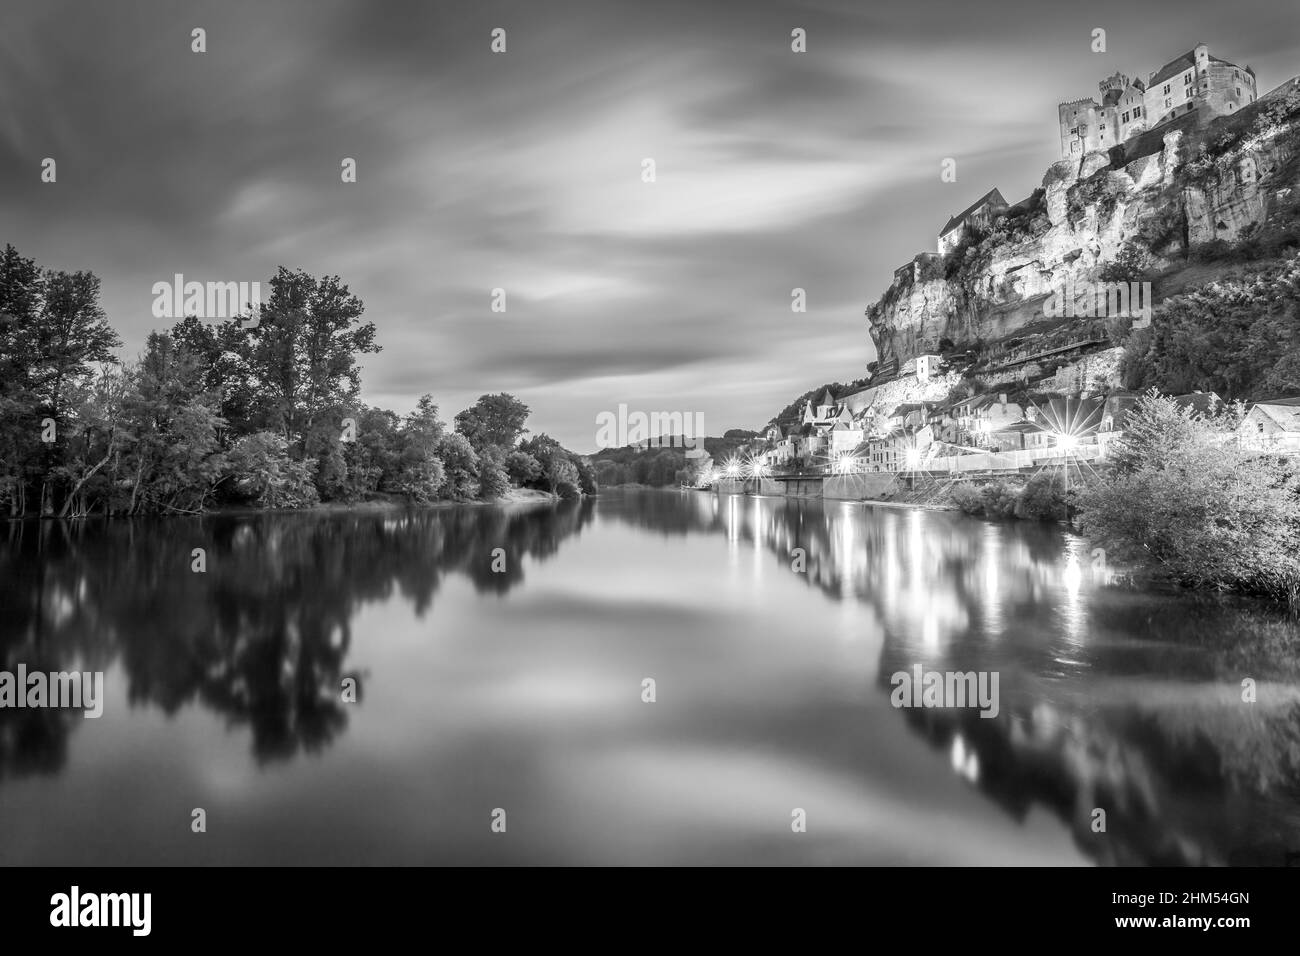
908 415
1063 419
979 215
1011 437
943 424
835 429
966 413
1114 413
1271 426
993 416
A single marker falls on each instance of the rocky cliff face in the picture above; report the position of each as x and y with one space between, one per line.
1203 185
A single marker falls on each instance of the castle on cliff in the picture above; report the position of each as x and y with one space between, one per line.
1195 80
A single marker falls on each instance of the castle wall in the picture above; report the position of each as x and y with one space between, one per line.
1171 97
1226 88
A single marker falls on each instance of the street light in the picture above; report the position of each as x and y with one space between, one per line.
845 463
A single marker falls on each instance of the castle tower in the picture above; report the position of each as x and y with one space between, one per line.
1116 81
1202 58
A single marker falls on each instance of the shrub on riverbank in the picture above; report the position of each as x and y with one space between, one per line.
968 499
1041 498
1183 497
1000 498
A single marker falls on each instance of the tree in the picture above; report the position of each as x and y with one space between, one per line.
1157 431
420 474
1235 336
21 450
171 458
461 464
1132 264
1199 507
522 468
610 473
266 474
71 334
94 436
372 459
493 481
301 357
52 335
564 478
493 420
587 482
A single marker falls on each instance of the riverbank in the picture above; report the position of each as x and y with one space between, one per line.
516 496
393 503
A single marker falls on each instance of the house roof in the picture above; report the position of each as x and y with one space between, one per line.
906 408
1185 62
1280 401
991 196
1287 417
1023 426
859 401
975 402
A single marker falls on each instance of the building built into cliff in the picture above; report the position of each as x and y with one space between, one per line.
979 215
1194 81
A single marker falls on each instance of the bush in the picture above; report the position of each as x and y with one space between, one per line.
968 498
1000 499
1042 498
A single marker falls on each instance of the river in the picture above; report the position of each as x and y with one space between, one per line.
501 660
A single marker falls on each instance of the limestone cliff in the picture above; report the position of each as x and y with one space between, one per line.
1188 187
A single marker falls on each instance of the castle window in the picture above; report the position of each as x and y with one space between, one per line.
1187 79
1137 111
1239 91
1166 87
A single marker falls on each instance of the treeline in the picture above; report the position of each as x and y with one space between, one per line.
657 466
239 412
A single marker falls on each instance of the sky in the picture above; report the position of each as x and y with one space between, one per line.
523 170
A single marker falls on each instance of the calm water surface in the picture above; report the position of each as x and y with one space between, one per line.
523 691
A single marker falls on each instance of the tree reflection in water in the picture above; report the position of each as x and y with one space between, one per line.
263 636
